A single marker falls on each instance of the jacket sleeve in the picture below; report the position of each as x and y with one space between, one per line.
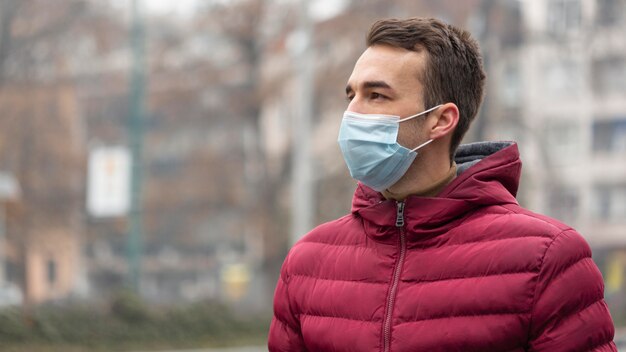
569 312
285 334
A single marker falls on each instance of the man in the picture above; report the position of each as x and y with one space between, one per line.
436 254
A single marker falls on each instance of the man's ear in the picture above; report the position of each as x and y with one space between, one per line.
447 117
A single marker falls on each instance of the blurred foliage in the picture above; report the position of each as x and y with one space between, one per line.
127 322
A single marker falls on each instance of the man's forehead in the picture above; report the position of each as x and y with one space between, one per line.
383 63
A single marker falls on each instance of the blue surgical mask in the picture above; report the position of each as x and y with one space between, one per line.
369 144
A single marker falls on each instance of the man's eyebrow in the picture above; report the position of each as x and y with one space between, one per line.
369 85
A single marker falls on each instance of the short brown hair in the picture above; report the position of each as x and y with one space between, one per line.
453 71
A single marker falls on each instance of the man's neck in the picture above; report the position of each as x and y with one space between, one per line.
430 189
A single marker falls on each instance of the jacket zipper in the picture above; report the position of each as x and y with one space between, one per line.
396 277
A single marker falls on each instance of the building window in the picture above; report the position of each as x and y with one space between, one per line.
609 136
610 12
563 140
609 203
52 272
562 79
563 203
512 127
564 16
511 92
512 31
609 76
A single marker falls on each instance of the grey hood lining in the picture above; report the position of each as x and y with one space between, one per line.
468 155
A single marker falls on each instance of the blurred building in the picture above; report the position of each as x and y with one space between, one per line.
559 88
10 292
43 250
557 84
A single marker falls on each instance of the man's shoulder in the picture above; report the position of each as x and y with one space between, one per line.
329 232
550 245
558 235
534 223
326 237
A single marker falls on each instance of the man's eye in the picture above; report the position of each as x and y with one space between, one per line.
350 97
376 96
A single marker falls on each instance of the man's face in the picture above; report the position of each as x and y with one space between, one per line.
385 81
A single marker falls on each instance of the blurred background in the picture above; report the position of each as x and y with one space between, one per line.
158 158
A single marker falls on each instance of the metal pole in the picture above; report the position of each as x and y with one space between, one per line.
135 137
3 234
302 185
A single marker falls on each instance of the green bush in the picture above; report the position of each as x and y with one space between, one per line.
129 307
12 326
128 321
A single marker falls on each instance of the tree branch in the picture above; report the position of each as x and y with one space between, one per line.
8 9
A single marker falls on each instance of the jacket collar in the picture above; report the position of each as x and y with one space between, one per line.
488 174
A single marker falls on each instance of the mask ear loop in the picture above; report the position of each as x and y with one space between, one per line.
422 145
421 113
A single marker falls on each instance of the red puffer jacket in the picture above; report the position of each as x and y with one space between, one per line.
469 270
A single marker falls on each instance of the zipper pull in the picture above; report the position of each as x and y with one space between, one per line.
400 214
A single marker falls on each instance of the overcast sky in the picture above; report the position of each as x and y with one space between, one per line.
161 7
319 9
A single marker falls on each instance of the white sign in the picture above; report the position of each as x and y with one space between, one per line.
9 187
108 187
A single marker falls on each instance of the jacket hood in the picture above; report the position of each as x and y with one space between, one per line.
487 174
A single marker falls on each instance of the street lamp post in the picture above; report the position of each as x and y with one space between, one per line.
135 138
302 183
